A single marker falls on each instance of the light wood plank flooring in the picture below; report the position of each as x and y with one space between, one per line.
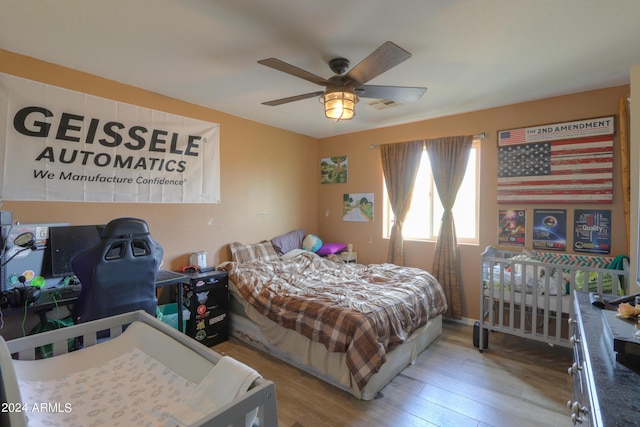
516 382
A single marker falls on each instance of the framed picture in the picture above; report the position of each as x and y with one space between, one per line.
592 231
334 170
554 163
358 207
511 227
550 229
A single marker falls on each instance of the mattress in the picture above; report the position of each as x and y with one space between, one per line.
264 334
360 310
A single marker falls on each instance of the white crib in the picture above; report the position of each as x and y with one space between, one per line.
166 353
528 293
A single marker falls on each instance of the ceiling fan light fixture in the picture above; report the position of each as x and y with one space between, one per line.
340 104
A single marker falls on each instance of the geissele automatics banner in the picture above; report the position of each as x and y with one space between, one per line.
62 145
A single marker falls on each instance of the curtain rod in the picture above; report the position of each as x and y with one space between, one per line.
482 135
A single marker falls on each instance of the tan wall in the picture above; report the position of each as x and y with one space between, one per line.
365 175
263 169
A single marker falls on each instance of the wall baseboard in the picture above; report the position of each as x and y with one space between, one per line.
463 321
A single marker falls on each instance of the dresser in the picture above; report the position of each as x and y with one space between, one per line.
605 392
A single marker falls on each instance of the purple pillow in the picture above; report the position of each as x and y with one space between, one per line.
331 248
288 241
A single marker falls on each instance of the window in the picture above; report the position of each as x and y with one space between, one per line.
423 219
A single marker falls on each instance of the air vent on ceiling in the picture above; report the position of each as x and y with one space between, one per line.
382 104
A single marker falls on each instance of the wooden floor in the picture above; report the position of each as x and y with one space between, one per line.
516 382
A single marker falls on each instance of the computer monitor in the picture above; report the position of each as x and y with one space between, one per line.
30 263
65 242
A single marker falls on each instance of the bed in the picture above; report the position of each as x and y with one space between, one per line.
528 293
148 374
354 326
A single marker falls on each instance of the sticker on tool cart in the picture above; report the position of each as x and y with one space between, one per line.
201 309
200 335
202 297
217 319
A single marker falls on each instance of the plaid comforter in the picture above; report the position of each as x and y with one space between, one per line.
363 310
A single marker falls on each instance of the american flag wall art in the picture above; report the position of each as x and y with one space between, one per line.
578 170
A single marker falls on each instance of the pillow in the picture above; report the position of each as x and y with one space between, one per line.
311 243
287 242
262 251
331 248
292 254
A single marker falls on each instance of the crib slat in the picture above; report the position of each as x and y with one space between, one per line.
534 301
60 347
558 305
29 354
89 339
512 293
115 331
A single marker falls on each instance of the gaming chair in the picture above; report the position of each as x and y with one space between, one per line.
118 274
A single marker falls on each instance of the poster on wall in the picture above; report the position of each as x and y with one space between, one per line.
63 145
592 231
358 207
550 229
512 227
557 163
334 170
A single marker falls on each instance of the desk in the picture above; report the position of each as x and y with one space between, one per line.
49 299
55 297
52 298
167 278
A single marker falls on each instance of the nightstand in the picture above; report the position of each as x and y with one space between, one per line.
349 257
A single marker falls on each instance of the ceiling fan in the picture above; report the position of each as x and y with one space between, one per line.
344 90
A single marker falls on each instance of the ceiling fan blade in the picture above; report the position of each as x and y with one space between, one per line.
293 98
293 70
380 60
394 93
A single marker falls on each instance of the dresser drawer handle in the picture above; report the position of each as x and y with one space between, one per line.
574 368
575 419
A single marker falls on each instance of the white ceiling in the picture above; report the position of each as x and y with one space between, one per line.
470 54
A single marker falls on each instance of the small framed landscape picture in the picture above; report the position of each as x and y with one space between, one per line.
334 170
358 207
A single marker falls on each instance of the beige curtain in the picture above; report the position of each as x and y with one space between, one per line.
448 157
400 162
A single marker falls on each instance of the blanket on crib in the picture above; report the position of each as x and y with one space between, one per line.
134 389
528 282
532 280
362 310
